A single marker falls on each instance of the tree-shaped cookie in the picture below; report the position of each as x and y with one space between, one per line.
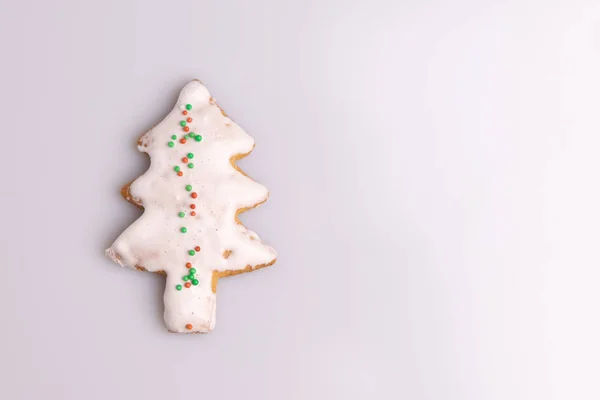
192 195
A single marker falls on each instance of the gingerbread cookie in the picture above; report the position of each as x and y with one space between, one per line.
192 195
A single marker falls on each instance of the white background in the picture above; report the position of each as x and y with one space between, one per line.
433 168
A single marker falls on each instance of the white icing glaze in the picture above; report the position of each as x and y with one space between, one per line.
155 241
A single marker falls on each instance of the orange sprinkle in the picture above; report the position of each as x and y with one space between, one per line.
189 327
185 159
182 140
188 265
186 128
180 173
193 213
184 112
189 120
197 248
192 206
194 195
187 284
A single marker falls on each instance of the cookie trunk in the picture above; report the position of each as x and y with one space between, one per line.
190 310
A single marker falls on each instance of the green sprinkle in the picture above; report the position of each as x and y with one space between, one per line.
191 134
188 106
191 165
183 229
195 282
174 137
190 155
191 277
178 287
171 144
198 138
185 278
192 252
182 123
181 214
192 271
188 188
177 169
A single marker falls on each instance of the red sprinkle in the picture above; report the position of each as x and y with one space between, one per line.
193 213
194 195
197 248
189 120
192 206
187 284
189 327
180 173
186 128
182 140
185 159
184 112
188 265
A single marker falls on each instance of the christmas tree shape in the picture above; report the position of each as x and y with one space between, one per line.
192 195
